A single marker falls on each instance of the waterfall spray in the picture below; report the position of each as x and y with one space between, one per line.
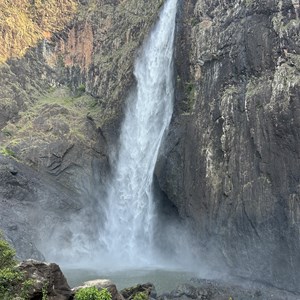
131 211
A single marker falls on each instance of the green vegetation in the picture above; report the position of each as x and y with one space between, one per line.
56 116
44 291
6 133
248 2
92 293
7 152
12 281
190 91
80 90
194 21
140 296
23 23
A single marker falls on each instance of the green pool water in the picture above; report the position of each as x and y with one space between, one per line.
163 280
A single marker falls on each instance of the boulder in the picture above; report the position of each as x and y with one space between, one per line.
47 279
147 288
185 289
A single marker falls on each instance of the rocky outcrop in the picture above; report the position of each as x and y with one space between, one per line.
98 52
94 57
216 290
35 210
47 281
147 290
231 162
21 82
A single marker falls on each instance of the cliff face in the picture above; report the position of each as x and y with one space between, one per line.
232 156
71 89
230 163
60 109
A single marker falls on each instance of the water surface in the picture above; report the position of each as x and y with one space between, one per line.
163 280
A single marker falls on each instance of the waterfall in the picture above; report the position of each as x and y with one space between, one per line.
131 212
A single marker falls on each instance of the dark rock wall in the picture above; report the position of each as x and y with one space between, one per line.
231 162
60 111
33 208
231 159
99 52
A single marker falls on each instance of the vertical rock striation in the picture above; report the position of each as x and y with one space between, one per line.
232 160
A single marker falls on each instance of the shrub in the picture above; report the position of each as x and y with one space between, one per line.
7 255
80 90
45 291
92 293
7 152
140 296
12 280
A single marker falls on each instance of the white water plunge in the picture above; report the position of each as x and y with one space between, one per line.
131 212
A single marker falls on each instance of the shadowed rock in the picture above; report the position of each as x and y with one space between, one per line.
47 278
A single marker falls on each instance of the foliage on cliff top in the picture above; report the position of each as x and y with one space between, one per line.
24 22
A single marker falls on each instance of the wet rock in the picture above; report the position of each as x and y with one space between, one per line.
221 290
29 201
185 289
148 289
47 278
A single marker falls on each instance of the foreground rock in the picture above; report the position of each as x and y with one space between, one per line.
146 289
202 289
47 279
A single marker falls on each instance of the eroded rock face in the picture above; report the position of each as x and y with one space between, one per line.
232 155
99 51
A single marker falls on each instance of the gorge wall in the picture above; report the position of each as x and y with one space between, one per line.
230 163
61 106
